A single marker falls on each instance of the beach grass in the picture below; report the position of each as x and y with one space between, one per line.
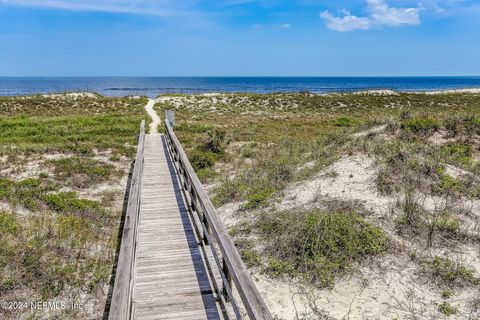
58 225
422 148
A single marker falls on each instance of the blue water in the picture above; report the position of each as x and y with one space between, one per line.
153 86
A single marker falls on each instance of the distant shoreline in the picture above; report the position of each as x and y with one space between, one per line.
154 86
373 92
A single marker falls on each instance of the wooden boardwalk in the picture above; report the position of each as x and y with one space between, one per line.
176 259
170 277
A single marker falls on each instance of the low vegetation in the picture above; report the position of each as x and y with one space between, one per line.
79 125
447 309
316 244
58 232
422 126
82 171
423 197
451 272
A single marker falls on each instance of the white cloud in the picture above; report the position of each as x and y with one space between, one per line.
379 14
382 14
346 23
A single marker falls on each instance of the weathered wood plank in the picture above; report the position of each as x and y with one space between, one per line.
184 315
171 281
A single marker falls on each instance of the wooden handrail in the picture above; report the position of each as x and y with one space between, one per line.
121 303
233 267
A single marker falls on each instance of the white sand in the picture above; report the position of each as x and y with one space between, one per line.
377 92
471 90
153 114
386 287
350 178
74 95
374 130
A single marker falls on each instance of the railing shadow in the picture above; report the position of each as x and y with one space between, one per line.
201 272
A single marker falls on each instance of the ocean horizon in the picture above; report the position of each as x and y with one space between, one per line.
154 86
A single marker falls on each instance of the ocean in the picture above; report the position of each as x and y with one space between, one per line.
154 86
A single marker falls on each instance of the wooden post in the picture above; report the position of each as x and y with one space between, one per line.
194 202
206 230
227 274
170 116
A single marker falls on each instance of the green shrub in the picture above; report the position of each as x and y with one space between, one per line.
448 222
115 157
8 224
449 271
318 244
8 284
227 191
29 193
422 126
29 183
95 171
6 187
458 153
257 199
215 142
205 174
344 122
474 123
277 268
251 258
447 309
447 294
202 160
449 185
68 202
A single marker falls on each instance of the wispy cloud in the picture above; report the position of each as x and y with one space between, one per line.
283 26
448 8
152 7
379 14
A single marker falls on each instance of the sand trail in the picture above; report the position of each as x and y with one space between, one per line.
153 114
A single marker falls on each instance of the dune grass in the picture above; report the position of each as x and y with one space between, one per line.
58 243
275 140
37 124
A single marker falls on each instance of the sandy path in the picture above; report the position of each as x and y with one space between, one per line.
153 114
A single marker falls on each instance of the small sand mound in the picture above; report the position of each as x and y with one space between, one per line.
374 130
470 90
377 93
350 178
74 95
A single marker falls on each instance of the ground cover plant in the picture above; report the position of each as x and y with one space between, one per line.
322 192
64 163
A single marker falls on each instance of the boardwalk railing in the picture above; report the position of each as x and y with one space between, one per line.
121 303
214 235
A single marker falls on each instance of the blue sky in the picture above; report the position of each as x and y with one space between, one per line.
239 37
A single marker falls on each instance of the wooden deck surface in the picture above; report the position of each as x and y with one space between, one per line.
170 277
